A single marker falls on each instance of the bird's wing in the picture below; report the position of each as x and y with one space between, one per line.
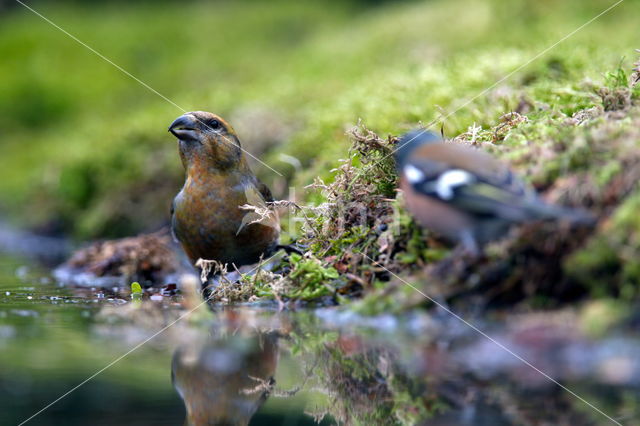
264 191
258 211
171 212
479 163
490 191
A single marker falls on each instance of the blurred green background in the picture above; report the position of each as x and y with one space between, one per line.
85 151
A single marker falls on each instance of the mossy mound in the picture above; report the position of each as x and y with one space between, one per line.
361 242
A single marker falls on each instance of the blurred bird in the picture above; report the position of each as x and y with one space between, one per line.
467 195
225 379
206 216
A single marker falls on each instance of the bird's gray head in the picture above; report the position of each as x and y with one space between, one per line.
410 141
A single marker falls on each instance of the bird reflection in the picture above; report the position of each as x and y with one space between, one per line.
227 379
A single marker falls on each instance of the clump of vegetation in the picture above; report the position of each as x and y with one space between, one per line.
358 226
608 265
149 259
588 160
297 278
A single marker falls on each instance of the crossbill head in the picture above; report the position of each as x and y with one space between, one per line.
206 137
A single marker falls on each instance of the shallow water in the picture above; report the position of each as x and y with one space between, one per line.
102 359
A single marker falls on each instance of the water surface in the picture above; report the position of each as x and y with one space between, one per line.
143 363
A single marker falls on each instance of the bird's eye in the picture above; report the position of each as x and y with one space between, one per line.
214 124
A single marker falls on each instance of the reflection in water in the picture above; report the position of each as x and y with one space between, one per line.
256 366
442 375
227 379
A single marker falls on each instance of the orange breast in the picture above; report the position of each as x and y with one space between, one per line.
208 221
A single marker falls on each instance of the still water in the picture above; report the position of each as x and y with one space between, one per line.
82 356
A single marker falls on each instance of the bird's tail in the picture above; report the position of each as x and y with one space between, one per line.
574 216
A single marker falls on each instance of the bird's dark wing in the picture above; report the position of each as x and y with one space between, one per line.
480 164
171 212
264 191
500 195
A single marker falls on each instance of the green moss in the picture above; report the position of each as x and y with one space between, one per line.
311 279
617 78
607 172
608 263
598 317
297 278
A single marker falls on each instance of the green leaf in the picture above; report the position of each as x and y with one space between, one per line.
136 291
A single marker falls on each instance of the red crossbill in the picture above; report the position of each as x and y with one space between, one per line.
225 380
466 194
206 216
